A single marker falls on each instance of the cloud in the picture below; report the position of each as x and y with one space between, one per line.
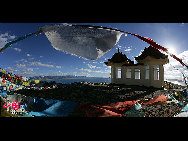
11 69
17 49
4 38
28 55
119 46
95 62
44 65
20 69
22 60
20 65
170 69
7 36
41 64
28 71
58 67
91 66
129 49
89 70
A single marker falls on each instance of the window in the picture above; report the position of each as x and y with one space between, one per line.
156 72
137 73
128 73
118 72
147 72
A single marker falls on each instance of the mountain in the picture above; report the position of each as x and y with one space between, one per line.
55 77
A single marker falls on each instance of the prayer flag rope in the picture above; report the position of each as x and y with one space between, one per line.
157 46
19 39
90 42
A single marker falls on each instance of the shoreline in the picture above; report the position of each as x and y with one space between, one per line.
75 78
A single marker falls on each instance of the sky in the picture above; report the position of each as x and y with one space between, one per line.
35 56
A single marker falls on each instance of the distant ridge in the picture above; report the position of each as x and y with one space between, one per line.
55 77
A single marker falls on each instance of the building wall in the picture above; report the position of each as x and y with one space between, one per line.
142 81
148 61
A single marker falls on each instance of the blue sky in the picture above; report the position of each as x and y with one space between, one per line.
35 56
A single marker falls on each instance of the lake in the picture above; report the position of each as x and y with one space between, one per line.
87 79
99 80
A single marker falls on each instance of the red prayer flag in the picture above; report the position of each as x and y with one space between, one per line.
157 46
109 110
158 99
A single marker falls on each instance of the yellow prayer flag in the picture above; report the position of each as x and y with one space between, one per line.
37 81
3 71
25 83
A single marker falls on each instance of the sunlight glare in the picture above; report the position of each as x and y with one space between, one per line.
171 50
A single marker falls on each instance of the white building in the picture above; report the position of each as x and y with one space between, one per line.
149 70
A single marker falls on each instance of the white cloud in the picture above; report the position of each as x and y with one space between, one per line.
95 62
5 38
17 49
22 60
28 55
44 65
89 70
31 58
41 64
170 69
28 71
91 66
129 49
58 67
20 65
11 69
12 37
119 46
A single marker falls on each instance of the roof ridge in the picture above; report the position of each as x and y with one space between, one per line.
152 52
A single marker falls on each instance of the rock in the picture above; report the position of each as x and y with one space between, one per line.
158 106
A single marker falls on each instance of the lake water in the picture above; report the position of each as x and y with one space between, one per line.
91 80
100 80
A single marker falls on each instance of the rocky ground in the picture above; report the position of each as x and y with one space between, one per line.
163 110
110 94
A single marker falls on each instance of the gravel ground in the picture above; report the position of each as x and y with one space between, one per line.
104 95
163 109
